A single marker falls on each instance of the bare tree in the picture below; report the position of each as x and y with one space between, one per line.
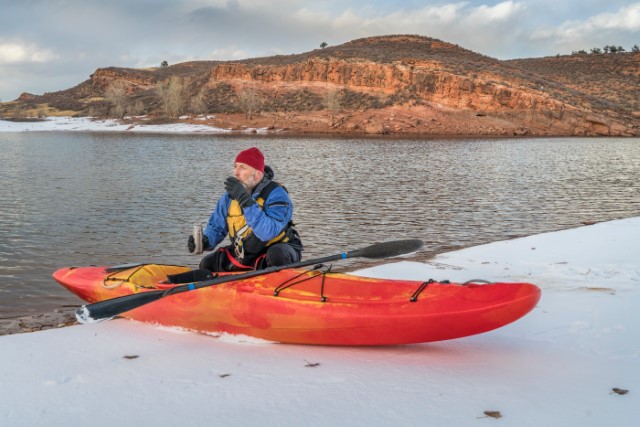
249 102
18 111
137 108
116 94
333 100
41 111
172 93
198 104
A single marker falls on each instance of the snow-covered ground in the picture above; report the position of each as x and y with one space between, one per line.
573 361
87 124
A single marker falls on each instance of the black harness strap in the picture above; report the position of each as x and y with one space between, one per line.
264 193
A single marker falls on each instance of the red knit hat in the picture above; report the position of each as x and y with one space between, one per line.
252 157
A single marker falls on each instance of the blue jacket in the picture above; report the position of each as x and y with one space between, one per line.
266 223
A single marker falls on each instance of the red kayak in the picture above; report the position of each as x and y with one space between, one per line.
313 307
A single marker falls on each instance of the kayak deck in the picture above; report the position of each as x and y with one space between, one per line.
314 306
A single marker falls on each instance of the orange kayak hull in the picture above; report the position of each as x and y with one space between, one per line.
305 307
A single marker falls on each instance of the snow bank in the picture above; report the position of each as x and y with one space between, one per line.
87 124
558 366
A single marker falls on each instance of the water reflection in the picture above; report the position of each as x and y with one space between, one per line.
79 199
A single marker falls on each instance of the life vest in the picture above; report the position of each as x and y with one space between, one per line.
247 247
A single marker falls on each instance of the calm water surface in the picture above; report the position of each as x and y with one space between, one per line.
103 199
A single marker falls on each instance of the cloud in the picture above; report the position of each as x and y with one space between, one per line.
627 18
480 28
489 15
20 52
231 52
618 27
69 39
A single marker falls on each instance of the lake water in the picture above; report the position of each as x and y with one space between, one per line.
73 199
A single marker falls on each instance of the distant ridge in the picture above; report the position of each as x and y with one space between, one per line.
396 84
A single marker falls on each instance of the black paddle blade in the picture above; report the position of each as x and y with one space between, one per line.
104 310
388 249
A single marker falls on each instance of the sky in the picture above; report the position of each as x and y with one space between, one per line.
51 45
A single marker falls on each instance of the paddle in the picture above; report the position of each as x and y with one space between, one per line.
103 310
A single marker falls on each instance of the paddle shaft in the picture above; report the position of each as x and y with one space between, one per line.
247 275
107 309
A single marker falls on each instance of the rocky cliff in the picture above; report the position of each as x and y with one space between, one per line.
394 84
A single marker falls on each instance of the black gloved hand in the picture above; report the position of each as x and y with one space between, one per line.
191 243
238 192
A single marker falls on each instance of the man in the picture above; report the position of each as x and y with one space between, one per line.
255 212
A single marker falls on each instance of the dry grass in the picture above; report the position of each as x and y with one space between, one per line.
611 80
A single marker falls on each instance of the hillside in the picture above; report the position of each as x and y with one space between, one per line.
407 85
614 79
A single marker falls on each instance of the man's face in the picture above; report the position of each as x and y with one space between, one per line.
249 176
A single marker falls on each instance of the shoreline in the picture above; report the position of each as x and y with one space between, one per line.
65 316
272 125
58 318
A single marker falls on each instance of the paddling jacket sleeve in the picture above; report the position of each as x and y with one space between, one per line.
267 222
270 220
216 228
